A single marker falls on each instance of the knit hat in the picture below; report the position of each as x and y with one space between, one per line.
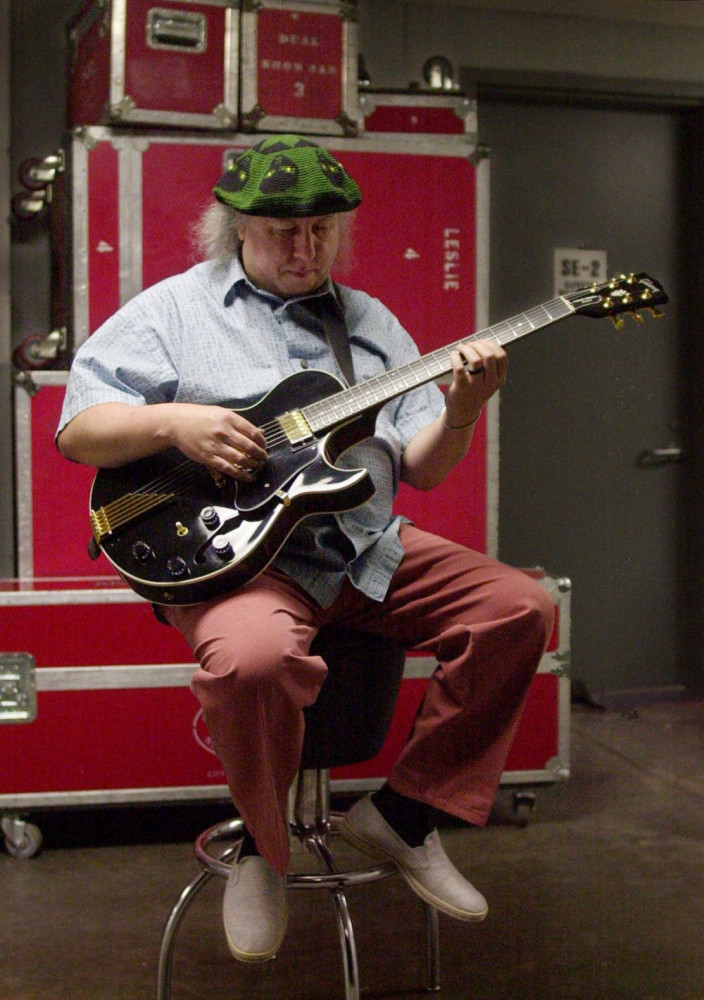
285 176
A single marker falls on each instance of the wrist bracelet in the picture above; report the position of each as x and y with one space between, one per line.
457 427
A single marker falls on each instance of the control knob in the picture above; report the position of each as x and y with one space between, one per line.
142 551
210 517
222 548
177 567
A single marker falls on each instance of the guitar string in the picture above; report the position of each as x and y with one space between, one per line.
434 364
154 493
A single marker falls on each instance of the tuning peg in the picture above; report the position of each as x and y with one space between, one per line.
616 280
655 312
617 321
636 316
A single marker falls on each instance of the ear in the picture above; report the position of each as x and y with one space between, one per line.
241 225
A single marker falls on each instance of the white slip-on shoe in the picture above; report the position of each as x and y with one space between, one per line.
255 910
427 869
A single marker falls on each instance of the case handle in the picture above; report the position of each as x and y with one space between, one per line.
172 29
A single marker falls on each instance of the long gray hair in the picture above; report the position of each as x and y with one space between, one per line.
216 238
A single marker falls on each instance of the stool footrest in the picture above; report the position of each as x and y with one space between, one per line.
231 830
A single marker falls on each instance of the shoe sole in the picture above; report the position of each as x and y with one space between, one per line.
253 958
353 838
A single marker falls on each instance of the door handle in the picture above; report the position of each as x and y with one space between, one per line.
659 456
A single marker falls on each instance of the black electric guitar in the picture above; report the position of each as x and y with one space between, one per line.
179 533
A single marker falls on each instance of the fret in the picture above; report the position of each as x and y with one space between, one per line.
503 332
356 399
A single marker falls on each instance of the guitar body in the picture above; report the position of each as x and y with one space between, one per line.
209 534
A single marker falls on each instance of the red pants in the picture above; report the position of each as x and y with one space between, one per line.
486 624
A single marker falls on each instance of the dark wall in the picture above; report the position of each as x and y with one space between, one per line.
38 61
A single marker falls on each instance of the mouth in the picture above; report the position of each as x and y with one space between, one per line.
307 275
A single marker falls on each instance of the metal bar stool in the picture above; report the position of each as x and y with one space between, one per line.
347 724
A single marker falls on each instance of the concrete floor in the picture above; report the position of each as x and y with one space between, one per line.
600 896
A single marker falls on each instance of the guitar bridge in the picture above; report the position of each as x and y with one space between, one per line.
296 428
119 512
100 523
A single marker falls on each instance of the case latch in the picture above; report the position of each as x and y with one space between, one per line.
18 688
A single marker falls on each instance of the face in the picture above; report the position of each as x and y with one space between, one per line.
289 257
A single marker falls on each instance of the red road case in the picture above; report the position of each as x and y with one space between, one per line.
394 112
117 723
173 63
299 67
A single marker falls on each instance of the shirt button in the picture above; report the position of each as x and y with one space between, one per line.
304 363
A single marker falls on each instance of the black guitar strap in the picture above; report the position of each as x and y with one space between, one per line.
339 339
328 310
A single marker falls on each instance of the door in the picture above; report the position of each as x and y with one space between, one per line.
586 405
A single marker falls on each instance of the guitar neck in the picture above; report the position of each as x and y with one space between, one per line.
375 391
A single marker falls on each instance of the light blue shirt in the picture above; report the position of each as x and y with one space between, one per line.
209 336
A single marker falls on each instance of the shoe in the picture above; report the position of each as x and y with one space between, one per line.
254 910
427 869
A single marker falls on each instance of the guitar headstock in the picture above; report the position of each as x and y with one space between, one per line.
623 294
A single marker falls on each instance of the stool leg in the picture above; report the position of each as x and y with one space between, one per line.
348 948
350 966
432 932
168 938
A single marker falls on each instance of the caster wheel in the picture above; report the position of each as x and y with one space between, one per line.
27 205
22 840
523 804
31 174
24 355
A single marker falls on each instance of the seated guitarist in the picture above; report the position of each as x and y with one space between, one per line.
172 368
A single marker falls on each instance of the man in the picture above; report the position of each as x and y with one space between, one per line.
172 368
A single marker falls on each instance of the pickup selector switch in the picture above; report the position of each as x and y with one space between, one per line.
222 548
210 517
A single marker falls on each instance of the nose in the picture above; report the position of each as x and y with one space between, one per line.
305 243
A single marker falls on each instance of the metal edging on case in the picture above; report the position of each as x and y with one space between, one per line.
118 43
115 678
232 70
130 210
492 409
78 150
112 796
23 479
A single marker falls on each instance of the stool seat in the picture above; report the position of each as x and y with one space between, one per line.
347 724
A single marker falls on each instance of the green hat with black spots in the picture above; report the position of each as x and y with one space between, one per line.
287 176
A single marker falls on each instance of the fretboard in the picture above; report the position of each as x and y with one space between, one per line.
375 391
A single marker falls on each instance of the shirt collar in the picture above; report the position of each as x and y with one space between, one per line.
240 285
